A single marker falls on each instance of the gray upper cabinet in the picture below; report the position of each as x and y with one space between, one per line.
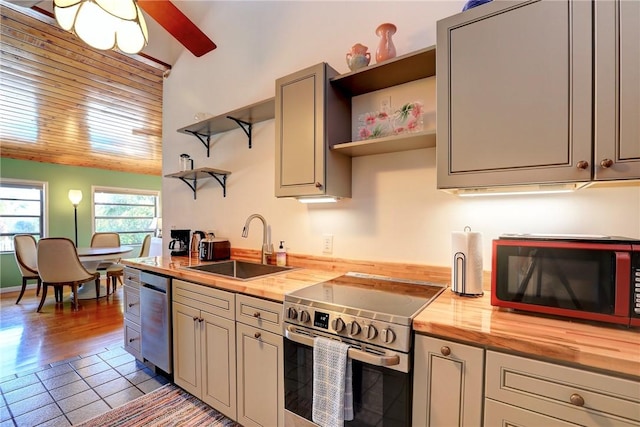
310 117
514 94
617 90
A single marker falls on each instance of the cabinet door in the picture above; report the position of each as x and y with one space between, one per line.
514 94
260 377
300 139
448 379
132 338
617 96
311 116
186 349
219 363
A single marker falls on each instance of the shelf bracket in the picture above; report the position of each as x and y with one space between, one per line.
207 143
192 186
222 182
245 126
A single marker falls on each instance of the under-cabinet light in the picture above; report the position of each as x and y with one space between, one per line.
523 190
318 199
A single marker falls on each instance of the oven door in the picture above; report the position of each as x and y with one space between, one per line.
381 394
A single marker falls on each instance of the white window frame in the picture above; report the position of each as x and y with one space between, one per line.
98 189
44 201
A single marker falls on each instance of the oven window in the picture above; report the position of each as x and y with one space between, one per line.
381 396
573 279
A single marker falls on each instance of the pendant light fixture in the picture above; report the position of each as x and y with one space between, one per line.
104 24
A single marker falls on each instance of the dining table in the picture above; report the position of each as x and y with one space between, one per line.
91 258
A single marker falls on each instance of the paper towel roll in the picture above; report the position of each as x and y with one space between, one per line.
466 268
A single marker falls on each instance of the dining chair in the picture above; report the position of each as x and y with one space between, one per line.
146 245
113 270
26 253
59 265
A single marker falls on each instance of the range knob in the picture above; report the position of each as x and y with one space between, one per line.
292 313
370 332
387 336
354 328
304 316
337 325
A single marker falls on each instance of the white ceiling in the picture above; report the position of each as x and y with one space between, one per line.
162 46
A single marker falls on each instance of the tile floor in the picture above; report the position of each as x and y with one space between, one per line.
71 391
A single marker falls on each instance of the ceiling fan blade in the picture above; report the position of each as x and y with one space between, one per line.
178 25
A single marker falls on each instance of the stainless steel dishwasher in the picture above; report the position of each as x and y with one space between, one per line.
155 320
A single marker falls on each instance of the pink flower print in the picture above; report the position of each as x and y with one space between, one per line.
416 111
371 119
399 130
382 115
412 125
364 133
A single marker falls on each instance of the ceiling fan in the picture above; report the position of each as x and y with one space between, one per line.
178 25
167 15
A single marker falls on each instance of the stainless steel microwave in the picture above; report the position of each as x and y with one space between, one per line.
586 277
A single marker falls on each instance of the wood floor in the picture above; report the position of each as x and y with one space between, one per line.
29 339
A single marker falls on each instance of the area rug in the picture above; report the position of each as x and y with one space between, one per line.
166 406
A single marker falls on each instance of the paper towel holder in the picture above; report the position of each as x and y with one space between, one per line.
466 280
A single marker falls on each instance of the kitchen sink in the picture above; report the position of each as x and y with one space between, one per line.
240 270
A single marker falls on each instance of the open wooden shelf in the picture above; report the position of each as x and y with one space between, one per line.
192 176
396 71
243 117
389 144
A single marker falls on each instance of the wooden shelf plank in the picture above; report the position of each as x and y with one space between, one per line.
197 173
254 113
402 69
389 144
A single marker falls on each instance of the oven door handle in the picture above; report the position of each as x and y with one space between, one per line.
353 353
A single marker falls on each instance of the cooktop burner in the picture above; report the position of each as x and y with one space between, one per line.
372 296
356 307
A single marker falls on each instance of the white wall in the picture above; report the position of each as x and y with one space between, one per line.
396 213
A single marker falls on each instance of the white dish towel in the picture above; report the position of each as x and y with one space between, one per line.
332 383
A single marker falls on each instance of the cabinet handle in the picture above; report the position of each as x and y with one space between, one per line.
318 185
132 339
576 399
256 314
606 163
582 164
201 320
195 319
131 305
257 335
445 350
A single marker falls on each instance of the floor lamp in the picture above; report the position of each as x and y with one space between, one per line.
75 196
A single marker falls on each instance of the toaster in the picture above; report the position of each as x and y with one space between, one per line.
215 249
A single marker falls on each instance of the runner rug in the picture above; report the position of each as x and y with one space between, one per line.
166 406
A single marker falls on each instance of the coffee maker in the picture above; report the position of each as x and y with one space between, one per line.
179 244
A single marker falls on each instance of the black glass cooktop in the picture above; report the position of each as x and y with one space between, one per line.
369 295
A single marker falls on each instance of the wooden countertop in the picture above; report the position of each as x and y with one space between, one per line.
472 320
270 287
611 348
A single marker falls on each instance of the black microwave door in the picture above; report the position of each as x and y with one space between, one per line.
573 279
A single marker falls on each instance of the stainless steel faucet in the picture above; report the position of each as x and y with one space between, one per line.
267 248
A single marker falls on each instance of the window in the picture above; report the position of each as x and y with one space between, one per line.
22 207
130 213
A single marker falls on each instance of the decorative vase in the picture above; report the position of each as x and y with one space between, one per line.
386 49
358 57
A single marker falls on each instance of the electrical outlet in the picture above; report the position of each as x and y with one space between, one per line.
385 104
327 244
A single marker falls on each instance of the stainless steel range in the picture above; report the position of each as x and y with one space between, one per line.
373 314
